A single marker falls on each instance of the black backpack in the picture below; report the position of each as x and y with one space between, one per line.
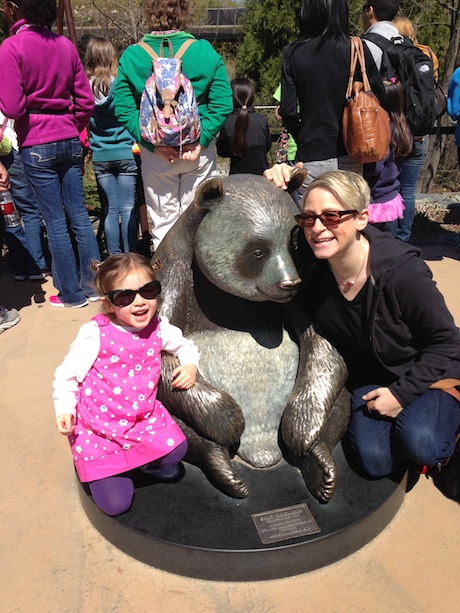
414 69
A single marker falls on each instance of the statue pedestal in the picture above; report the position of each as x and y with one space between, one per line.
190 528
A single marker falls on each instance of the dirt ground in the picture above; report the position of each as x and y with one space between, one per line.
55 561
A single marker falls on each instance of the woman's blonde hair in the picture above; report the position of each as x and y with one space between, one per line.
101 64
116 267
348 188
404 27
166 14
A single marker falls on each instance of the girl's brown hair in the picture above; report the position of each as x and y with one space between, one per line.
401 137
166 14
101 64
243 97
116 267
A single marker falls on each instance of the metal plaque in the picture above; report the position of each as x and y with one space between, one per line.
284 524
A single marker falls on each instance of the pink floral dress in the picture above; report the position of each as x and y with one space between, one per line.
120 424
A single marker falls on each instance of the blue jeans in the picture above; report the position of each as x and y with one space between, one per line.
116 181
54 172
410 172
423 432
30 213
15 238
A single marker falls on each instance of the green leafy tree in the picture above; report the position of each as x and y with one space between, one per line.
267 27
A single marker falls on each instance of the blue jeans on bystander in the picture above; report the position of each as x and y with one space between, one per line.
117 189
15 239
30 213
54 171
410 172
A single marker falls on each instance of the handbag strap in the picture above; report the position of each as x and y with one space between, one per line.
351 76
357 56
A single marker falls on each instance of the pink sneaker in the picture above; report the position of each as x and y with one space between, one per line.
57 302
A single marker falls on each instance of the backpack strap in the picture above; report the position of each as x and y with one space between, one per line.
148 49
384 43
183 48
378 40
180 52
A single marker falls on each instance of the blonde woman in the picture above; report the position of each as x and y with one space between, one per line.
363 290
111 146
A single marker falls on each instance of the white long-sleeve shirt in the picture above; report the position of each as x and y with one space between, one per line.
85 349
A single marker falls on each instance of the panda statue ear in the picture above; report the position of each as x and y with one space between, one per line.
208 192
297 179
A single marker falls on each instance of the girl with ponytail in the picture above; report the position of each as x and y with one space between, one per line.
245 136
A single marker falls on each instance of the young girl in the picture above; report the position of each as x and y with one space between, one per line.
105 390
387 205
111 145
245 136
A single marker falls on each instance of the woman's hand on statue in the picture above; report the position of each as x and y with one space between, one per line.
382 401
184 376
281 174
65 423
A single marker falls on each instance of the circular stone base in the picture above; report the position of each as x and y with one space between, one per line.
190 528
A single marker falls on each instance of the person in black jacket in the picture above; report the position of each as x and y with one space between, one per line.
245 136
374 299
314 81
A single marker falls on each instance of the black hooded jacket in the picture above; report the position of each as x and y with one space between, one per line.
411 333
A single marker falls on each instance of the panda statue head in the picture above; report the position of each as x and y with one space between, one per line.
244 238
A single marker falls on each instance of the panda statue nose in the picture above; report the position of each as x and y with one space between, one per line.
290 283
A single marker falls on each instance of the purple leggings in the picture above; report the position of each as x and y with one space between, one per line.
114 495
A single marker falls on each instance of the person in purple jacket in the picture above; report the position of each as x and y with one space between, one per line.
46 91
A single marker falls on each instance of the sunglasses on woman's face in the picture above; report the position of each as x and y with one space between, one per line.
124 297
328 218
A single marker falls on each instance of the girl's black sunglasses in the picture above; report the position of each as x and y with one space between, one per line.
124 297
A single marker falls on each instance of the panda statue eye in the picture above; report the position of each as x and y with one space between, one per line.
258 254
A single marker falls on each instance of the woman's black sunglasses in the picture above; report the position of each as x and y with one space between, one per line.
124 297
328 218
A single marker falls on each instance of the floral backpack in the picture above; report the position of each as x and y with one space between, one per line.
169 113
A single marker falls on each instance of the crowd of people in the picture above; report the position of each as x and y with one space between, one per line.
361 287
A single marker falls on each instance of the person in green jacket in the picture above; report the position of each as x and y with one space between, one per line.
170 179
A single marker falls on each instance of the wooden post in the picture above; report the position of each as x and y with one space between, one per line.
64 7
